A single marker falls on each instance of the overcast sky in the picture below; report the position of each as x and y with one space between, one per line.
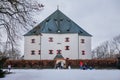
100 18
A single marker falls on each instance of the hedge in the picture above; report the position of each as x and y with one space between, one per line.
30 63
96 63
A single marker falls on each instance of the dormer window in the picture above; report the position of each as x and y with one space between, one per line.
49 29
58 30
68 20
68 29
32 40
47 20
50 39
81 32
67 39
61 19
55 19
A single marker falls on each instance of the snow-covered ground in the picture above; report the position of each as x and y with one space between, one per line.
62 74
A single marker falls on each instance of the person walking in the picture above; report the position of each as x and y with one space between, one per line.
81 65
62 65
59 65
69 66
9 68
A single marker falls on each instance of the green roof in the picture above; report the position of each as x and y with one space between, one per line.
59 56
57 23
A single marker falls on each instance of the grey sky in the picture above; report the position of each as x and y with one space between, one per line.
101 18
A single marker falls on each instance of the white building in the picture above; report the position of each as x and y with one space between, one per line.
57 37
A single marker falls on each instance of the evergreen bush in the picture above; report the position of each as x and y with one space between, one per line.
2 61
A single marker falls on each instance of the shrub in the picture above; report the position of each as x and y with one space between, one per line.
30 63
2 61
2 74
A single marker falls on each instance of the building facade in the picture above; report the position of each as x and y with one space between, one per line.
57 35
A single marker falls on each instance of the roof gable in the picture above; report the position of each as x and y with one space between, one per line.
57 23
59 56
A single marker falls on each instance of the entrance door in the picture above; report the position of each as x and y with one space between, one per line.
62 63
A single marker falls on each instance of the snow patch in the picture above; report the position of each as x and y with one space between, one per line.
62 74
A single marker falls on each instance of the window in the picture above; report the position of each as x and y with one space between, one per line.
58 51
67 39
67 47
32 52
39 52
50 39
32 40
83 52
82 40
50 51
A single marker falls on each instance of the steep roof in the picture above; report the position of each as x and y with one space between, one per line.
57 23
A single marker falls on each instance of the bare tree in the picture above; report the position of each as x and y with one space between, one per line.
108 49
13 54
102 50
112 49
7 51
4 47
116 42
15 16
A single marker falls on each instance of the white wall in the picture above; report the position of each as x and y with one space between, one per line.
59 38
86 47
28 46
75 52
